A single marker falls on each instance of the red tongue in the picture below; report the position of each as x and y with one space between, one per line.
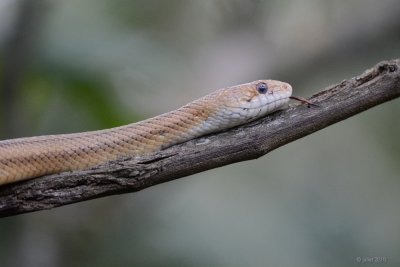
303 100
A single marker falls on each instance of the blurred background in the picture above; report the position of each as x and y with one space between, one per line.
330 199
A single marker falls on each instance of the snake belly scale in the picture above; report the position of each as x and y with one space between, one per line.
30 157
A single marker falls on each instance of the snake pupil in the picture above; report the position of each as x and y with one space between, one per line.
262 88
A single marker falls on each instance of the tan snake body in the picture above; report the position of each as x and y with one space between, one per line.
25 158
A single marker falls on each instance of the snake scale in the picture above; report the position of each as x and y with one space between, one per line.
30 157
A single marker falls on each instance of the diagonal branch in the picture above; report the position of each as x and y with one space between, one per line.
375 86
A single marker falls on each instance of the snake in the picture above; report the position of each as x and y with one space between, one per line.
30 157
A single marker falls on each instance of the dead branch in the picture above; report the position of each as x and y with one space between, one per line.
338 102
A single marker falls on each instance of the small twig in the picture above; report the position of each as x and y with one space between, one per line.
375 86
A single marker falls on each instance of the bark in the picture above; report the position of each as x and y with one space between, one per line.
338 102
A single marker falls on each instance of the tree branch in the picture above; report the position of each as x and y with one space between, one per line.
338 102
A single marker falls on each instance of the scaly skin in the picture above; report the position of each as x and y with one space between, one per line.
25 158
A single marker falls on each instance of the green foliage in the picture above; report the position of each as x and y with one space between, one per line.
78 97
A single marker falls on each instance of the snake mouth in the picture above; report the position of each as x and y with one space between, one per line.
249 111
258 102
268 101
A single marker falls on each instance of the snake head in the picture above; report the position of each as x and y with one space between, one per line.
253 100
232 106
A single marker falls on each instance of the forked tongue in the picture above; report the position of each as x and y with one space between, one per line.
303 100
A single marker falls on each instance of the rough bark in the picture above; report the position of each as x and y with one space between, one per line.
338 102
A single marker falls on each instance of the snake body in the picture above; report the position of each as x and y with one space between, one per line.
30 157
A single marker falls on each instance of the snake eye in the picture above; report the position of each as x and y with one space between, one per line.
262 88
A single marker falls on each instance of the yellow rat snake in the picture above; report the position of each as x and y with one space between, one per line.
25 158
